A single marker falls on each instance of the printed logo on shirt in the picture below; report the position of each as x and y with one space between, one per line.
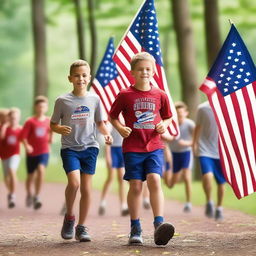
80 113
11 140
146 118
40 132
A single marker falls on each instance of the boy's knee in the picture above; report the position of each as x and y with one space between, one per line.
74 185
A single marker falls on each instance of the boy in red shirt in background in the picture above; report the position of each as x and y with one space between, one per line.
10 154
36 136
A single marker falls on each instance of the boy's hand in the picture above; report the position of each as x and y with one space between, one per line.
65 130
125 131
160 127
29 149
108 139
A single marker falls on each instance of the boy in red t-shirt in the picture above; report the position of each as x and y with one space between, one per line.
10 143
147 114
36 136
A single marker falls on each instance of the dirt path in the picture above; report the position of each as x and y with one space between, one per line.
27 232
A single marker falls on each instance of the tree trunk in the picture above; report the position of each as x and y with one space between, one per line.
93 33
187 54
39 38
80 29
212 30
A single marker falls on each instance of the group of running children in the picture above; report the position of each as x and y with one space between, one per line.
140 149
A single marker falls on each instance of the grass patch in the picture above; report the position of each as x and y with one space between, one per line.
55 173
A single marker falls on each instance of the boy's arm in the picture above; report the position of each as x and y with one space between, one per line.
29 149
61 129
124 131
3 130
104 131
161 127
196 135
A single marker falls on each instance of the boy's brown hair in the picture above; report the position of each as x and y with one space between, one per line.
142 56
78 63
180 104
13 110
40 99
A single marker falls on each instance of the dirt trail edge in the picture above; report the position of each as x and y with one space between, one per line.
24 231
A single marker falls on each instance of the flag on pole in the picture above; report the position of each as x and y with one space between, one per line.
142 35
231 90
107 83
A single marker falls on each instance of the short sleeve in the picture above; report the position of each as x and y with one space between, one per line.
117 107
57 113
165 110
100 114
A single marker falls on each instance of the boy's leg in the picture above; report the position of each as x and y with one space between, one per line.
71 190
122 192
85 200
29 182
187 176
155 194
207 185
134 203
105 190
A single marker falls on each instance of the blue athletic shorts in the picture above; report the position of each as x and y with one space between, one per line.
209 164
84 160
117 157
138 165
33 162
181 160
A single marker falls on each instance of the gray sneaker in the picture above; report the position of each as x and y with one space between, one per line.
37 203
209 210
29 200
11 201
219 215
163 233
102 210
67 231
82 234
187 208
135 237
125 212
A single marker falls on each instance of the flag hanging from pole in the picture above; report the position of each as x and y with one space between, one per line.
231 90
107 83
142 35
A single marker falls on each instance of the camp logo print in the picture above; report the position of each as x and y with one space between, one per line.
81 113
144 120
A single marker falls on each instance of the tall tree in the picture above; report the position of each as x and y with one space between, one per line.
39 38
187 53
80 29
212 30
93 33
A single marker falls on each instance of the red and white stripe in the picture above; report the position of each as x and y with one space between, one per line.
235 115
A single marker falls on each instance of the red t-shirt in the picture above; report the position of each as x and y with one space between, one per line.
37 134
142 110
10 144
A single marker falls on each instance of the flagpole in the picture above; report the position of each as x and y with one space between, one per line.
130 26
231 22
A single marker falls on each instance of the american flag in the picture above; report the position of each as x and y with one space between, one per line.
107 83
231 90
142 35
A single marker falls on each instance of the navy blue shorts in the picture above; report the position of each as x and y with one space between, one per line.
181 160
33 162
84 160
138 165
117 157
209 164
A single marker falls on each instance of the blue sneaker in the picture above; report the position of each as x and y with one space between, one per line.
135 235
163 233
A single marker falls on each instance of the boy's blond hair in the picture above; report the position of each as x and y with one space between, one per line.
78 63
40 99
14 110
181 104
142 56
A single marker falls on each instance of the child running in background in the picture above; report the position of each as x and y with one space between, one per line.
182 157
147 114
10 136
75 117
205 146
115 163
37 137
